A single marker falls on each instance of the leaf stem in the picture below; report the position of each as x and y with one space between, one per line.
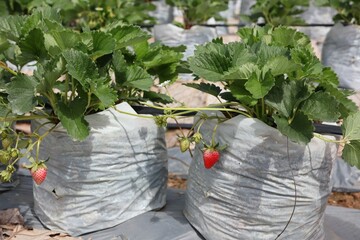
322 137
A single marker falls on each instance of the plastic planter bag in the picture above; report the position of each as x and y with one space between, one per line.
163 13
250 192
173 36
341 53
118 172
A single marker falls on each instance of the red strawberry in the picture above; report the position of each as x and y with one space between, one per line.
39 174
210 156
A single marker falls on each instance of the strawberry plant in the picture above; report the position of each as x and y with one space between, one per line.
90 14
274 76
348 11
199 11
76 73
279 12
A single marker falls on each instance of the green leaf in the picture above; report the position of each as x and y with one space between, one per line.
351 127
265 52
47 79
310 64
280 65
299 130
58 41
287 96
259 86
138 78
157 97
239 91
33 46
321 106
161 61
80 66
120 67
104 92
4 43
10 27
288 37
128 36
206 88
210 61
245 71
21 92
72 118
103 44
351 153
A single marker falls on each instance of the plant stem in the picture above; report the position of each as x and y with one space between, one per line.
343 141
4 66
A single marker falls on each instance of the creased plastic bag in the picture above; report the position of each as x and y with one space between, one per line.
341 51
118 172
250 192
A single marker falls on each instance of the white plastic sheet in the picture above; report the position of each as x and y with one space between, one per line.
341 51
117 173
250 192
173 36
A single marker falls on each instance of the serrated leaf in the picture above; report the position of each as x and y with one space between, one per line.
321 106
210 61
4 43
128 36
310 64
138 78
243 96
258 86
47 79
72 118
206 88
80 66
33 46
161 61
351 127
351 153
102 90
280 65
288 37
58 41
102 44
287 96
21 92
329 77
241 72
265 52
299 130
10 26
157 97
120 67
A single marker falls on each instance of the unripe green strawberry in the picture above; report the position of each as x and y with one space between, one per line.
184 144
14 152
6 142
4 157
3 134
39 174
210 157
197 137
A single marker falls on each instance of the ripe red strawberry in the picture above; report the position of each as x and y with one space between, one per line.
39 174
210 156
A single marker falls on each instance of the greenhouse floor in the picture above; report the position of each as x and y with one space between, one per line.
167 224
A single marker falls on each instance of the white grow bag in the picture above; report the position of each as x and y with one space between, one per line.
174 36
341 51
249 193
118 172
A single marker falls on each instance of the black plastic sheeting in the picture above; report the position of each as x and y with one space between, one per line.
168 223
